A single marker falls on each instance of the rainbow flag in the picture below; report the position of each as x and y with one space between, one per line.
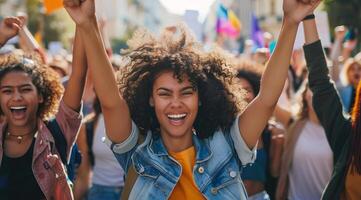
256 33
52 5
227 22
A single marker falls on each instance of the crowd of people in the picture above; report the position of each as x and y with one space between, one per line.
169 120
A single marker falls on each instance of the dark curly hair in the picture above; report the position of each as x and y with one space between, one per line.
175 50
251 71
46 80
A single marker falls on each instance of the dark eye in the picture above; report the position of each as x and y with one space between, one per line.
187 92
6 91
27 89
163 94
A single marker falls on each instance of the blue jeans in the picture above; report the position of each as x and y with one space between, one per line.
259 196
101 192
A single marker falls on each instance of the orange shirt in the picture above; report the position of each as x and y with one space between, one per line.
186 187
352 186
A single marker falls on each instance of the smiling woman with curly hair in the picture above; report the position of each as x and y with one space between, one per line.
30 100
46 81
208 74
180 98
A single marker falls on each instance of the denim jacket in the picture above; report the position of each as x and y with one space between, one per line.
47 175
219 160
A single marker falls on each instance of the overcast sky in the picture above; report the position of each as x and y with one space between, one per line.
179 6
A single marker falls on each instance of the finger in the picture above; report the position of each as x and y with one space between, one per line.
12 20
22 19
15 27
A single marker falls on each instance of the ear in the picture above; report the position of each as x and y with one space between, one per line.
151 101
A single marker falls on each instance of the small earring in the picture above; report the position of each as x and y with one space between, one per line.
199 103
151 104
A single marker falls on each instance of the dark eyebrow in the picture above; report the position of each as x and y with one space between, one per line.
25 85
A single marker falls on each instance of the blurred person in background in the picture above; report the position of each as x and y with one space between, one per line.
343 132
307 160
99 167
350 77
260 178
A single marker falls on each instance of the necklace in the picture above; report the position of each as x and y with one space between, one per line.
19 138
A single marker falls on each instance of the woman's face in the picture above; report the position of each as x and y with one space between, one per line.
248 87
175 104
354 74
19 99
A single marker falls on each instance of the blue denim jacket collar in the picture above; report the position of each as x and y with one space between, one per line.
203 152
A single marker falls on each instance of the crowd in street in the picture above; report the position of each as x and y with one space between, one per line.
172 119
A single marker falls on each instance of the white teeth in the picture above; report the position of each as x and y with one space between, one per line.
177 116
17 107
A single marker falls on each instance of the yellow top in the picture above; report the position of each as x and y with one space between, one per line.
352 186
186 187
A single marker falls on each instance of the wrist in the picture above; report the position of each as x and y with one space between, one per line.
290 22
89 23
309 17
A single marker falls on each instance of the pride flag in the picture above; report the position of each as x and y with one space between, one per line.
227 22
52 5
256 33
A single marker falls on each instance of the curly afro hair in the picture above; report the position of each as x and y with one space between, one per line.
175 50
251 71
46 80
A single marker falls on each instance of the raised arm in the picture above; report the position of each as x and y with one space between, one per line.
9 27
254 119
28 43
115 110
75 87
325 99
82 181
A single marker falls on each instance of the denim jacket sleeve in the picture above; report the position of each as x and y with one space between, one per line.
245 154
326 100
124 151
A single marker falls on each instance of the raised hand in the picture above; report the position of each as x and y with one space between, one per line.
9 27
81 11
340 32
295 10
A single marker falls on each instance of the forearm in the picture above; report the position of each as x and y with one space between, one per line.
336 50
75 86
275 157
103 76
80 189
29 42
114 107
310 30
325 99
275 74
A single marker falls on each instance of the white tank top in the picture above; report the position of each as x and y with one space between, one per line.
312 164
107 171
